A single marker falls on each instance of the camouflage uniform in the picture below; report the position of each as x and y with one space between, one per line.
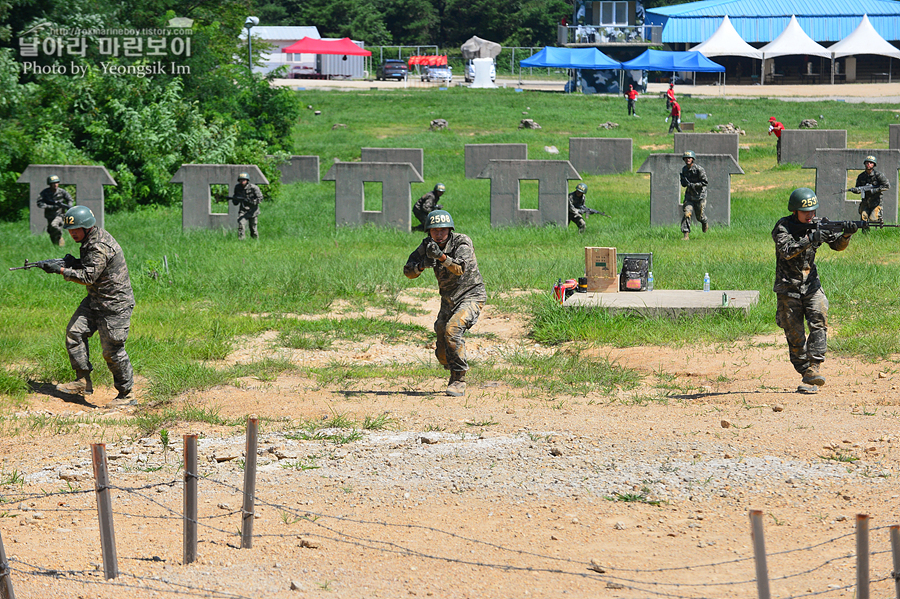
576 207
106 309
424 205
695 182
247 199
55 204
799 291
871 205
462 296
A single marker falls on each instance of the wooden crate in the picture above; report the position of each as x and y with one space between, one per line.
600 262
603 284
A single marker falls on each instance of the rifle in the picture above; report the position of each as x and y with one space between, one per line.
838 226
589 211
60 261
861 189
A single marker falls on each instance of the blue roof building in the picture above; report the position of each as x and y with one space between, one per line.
761 21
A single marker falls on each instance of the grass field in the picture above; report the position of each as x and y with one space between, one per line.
217 288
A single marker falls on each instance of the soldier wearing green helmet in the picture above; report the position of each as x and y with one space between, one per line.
452 257
247 197
695 182
875 183
54 201
427 204
105 310
797 286
577 206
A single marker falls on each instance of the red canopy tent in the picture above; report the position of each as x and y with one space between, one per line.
343 46
431 61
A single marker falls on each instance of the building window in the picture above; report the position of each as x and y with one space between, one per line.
613 13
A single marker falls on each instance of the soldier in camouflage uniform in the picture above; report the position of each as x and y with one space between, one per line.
106 309
871 205
247 197
452 257
427 204
55 201
695 182
577 206
797 285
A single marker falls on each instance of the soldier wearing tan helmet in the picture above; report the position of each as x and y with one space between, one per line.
695 182
870 184
55 201
247 197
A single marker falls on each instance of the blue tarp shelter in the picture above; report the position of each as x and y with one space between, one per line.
657 60
572 58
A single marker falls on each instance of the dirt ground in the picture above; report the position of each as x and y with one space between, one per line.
502 493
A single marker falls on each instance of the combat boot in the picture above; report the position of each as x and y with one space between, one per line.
705 227
807 389
80 386
811 375
62 242
686 237
124 398
457 386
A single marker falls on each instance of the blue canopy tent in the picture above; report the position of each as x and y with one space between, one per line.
658 60
591 60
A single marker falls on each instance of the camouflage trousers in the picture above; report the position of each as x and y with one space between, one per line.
790 316
450 326
695 208
870 210
113 330
54 227
578 220
251 217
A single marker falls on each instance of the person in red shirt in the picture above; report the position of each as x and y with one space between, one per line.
670 96
675 117
632 95
776 128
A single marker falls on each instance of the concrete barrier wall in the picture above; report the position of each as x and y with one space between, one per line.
196 197
553 191
832 168
478 156
894 137
600 155
414 156
396 193
300 168
708 143
88 182
797 145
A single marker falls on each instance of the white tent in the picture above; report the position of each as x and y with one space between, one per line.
863 40
793 40
726 41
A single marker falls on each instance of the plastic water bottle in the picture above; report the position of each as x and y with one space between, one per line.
706 282
650 281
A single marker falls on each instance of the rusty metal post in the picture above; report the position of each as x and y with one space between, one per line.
759 552
247 511
104 511
895 550
6 588
190 498
862 556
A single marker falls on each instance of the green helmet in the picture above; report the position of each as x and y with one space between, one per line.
439 219
689 154
871 159
52 179
440 187
803 199
79 217
244 176
581 188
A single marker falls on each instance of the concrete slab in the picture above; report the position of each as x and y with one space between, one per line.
601 155
665 303
88 182
832 168
666 190
478 156
396 193
553 191
708 143
797 145
894 137
300 168
196 196
414 156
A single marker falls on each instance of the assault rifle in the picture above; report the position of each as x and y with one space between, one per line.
69 261
863 189
588 211
838 226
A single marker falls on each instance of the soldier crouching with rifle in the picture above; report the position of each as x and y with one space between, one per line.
800 295
54 201
452 257
577 209
871 184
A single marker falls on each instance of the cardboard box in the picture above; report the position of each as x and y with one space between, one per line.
600 262
603 284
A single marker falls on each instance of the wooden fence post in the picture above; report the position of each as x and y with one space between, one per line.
247 511
104 511
895 550
190 498
862 556
759 552
6 588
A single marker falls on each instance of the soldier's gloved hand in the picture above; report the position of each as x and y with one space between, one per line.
850 228
815 237
433 251
69 261
438 207
427 263
854 190
53 267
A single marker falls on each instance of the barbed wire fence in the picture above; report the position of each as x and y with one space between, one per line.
334 528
